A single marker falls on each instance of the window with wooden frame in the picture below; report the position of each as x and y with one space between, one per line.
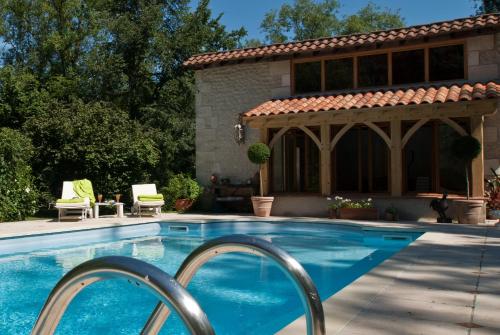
408 67
307 77
428 164
446 63
339 74
361 161
398 66
373 70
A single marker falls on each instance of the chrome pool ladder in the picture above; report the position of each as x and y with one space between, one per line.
172 291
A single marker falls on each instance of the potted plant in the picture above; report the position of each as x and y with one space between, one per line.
181 192
357 210
465 149
259 153
391 213
333 208
493 196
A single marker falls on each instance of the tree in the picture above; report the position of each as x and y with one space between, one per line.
371 18
487 6
305 19
94 141
18 195
308 19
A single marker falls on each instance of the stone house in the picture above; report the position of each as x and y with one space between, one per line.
364 115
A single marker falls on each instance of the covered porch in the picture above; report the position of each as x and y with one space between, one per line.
372 144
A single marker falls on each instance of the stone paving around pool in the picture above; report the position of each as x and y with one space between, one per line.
446 282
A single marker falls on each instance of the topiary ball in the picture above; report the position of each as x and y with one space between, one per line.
258 153
466 148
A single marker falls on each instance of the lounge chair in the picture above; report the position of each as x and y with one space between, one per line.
77 197
146 196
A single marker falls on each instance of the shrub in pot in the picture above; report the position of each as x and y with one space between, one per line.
391 213
181 192
465 149
259 153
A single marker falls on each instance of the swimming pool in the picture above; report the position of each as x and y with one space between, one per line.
241 294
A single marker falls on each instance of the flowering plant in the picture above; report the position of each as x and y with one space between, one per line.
493 192
339 202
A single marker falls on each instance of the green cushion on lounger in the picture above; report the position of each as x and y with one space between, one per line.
150 197
70 201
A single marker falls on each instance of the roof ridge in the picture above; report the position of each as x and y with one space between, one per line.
475 17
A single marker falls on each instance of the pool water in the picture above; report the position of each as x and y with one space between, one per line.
241 294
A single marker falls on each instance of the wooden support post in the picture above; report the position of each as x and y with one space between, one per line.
477 177
264 168
396 160
326 183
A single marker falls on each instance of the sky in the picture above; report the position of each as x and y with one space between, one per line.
249 13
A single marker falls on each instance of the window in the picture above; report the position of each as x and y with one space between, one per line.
360 161
446 63
295 160
372 70
307 77
339 74
408 67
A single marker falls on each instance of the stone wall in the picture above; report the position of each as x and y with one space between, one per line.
484 65
222 94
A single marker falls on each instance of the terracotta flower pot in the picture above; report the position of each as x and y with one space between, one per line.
262 206
358 213
469 211
182 205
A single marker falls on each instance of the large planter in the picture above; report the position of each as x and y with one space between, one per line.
469 211
358 213
332 213
262 206
182 205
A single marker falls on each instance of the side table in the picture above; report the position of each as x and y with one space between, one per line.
118 205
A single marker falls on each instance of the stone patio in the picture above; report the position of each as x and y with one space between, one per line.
446 282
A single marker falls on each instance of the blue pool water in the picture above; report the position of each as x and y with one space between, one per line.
241 294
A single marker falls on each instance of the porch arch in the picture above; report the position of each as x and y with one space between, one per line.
370 125
306 130
453 124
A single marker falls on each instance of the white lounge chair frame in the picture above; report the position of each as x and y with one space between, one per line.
145 189
82 208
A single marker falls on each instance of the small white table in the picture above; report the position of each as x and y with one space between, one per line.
118 205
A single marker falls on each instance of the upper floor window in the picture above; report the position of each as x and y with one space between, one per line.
372 70
307 77
398 67
408 67
339 74
446 63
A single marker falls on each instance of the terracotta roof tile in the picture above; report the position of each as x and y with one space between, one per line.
382 98
339 42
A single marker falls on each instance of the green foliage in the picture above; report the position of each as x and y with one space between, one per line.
93 141
18 196
371 18
180 186
466 148
258 153
100 88
340 202
487 6
309 19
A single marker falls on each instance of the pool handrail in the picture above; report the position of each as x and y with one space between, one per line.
251 245
139 273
